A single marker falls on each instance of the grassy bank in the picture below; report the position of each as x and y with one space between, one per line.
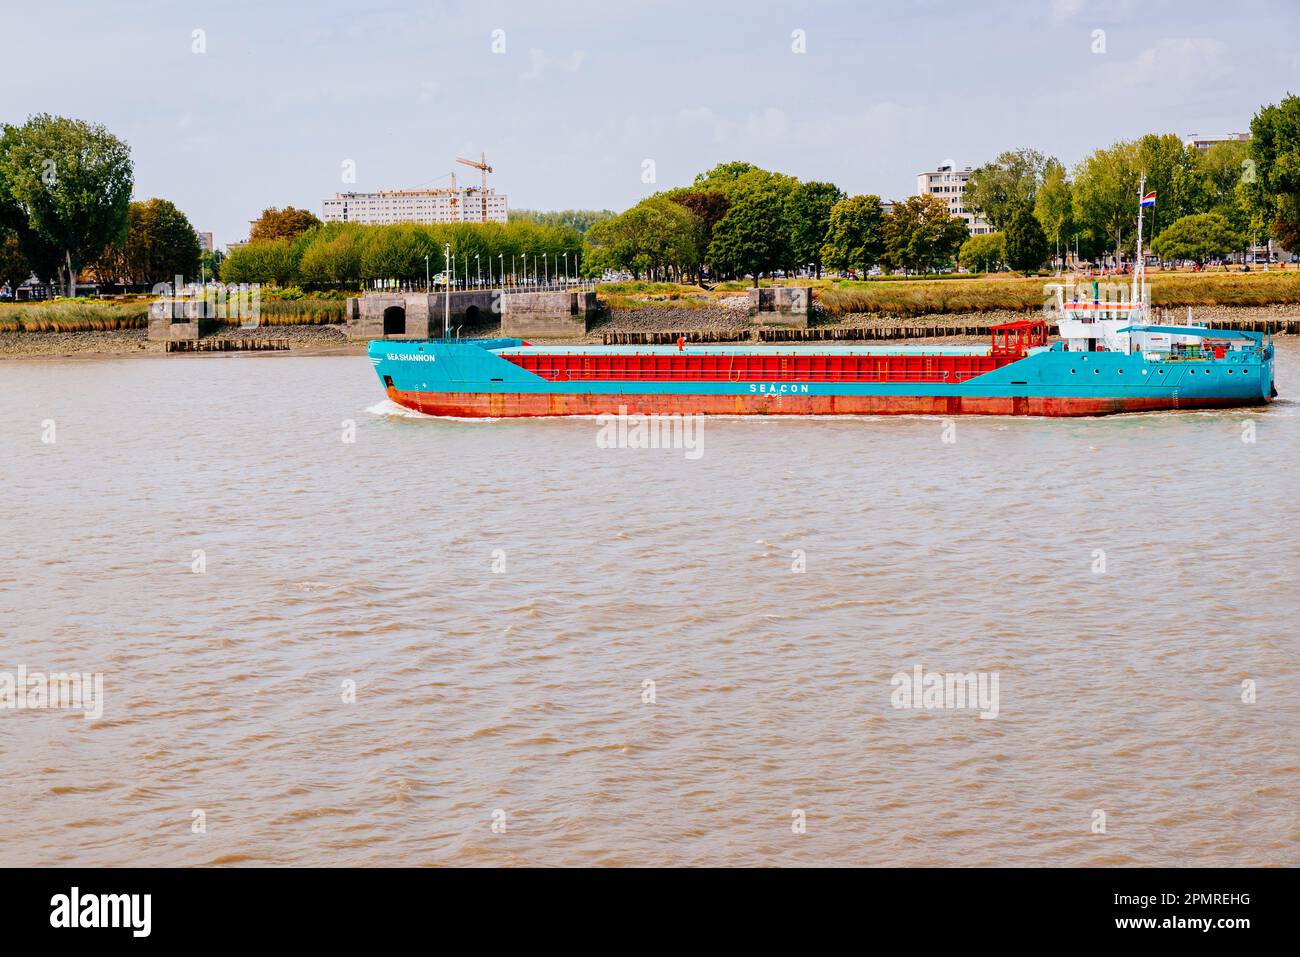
907 297
69 315
299 312
89 315
990 294
644 295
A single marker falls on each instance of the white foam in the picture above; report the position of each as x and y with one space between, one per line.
389 408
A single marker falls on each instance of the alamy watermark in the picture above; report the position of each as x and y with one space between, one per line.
651 431
233 302
950 690
38 691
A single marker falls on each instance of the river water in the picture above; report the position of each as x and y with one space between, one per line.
333 634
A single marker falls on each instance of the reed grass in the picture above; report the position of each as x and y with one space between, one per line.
73 315
920 297
301 312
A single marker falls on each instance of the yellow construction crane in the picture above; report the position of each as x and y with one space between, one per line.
480 164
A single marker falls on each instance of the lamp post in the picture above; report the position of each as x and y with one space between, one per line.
479 266
502 270
546 270
446 299
426 273
514 273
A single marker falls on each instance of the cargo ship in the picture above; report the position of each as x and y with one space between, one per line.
1109 358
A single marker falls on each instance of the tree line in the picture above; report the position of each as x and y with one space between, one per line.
66 210
1208 203
293 250
738 220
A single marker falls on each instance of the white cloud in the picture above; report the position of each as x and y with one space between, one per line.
540 64
1181 62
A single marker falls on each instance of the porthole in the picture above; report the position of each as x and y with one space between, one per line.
1073 371
1096 372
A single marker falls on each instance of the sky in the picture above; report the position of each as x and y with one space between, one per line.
233 106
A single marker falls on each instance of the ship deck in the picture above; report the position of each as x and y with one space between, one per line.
828 351
747 363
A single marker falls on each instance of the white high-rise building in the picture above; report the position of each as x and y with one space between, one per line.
1202 144
462 204
949 184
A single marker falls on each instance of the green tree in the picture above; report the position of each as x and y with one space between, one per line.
1105 195
709 206
273 261
855 234
999 190
1198 238
14 267
210 261
657 237
579 220
281 224
397 252
70 182
983 253
1273 186
1054 204
1174 172
807 216
921 236
749 240
725 175
1225 168
160 244
333 260
1025 242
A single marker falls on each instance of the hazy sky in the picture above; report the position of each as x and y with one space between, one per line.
586 91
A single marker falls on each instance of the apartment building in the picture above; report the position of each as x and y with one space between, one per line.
949 184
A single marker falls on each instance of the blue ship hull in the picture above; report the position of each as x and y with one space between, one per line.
496 377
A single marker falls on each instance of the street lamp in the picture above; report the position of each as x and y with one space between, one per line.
479 266
446 299
502 270
426 273
546 272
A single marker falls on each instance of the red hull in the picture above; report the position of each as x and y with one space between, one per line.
533 404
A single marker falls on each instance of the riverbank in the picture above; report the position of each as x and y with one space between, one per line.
332 339
722 319
303 340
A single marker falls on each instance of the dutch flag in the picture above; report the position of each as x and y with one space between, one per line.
1148 200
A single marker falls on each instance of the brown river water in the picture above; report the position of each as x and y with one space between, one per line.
485 643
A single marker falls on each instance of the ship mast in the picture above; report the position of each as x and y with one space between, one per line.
1139 267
